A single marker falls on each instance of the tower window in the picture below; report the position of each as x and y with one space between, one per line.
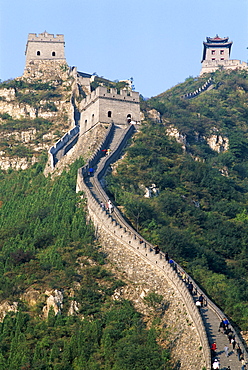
38 53
221 52
213 58
109 113
222 59
53 54
213 52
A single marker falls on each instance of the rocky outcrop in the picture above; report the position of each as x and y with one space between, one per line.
154 115
6 307
218 143
46 70
54 301
16 163
180 138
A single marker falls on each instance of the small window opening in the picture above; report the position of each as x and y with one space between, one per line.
109 113
108 90
85 121
213 58
53 54
222 52
38 53
213 52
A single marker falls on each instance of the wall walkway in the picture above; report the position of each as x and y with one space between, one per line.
207 321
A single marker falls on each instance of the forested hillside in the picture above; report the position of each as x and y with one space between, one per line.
46 243
201 213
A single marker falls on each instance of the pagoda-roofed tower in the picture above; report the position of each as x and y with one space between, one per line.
216 54
216 48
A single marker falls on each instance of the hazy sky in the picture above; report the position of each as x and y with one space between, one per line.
157 42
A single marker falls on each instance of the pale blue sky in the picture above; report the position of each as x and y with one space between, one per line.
157 42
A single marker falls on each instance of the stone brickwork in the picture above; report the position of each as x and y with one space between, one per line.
109 105
44 46
209 66
178 330
148 271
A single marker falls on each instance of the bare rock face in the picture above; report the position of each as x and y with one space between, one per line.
74 305
54 300
180 138
6 307
46 70
16 163
7 94
31 296
154 115
218 143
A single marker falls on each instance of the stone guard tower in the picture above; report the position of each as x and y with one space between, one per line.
216 54
45 46
216 49
44 52
106 105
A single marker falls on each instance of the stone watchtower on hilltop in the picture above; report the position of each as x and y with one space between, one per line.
216 54
216 48
44 49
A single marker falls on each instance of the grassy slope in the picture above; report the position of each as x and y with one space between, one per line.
44 240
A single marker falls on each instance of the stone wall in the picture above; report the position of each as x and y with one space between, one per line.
209 66
44 46
109 105
123 244
61 147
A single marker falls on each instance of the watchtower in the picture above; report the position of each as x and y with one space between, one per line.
45 46
216 48
106 105
216 54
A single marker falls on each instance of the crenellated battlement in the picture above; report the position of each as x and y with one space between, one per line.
108 105
110 93
45 36
44 46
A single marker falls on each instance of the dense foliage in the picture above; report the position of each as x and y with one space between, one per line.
46 243
201 214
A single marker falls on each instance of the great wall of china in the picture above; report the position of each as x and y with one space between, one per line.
117 235
126 248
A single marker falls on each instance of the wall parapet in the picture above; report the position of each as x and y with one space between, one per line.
102 92
197 92
115 225
69 138
209 66
45 37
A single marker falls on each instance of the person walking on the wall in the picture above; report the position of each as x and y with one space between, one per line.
110 206
216 364
91 171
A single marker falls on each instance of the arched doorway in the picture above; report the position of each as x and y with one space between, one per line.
129 118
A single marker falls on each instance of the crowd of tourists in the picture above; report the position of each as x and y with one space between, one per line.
200 302
225 329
